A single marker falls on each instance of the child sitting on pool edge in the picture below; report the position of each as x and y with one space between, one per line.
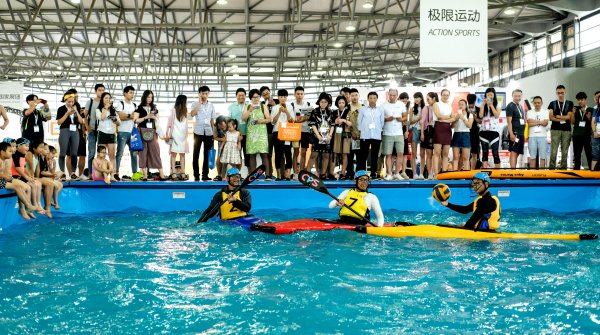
102 168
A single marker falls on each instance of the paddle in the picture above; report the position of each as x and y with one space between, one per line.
254 175
316 184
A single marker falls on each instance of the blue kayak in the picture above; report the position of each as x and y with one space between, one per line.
246 222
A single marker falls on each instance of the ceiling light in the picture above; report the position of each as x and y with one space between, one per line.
120 42
510 11
76 2
338 45
233 67
232 56
405 72
235 75
230 42
350 27
222 2
368 4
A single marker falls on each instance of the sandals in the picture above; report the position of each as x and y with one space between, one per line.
217 178
174 177
74 177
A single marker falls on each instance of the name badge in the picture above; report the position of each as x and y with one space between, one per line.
582 124
563 122
338 130
283 125
537 129
36 129
522 122
371 126
73 127
149 124
487 125
287 143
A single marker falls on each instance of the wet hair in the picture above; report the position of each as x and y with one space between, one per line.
128 89
203 88
240 90
101 148
282 92
581 95
180 107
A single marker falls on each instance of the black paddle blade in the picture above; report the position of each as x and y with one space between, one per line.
588 236
312 181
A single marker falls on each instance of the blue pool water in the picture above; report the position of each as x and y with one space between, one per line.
151 273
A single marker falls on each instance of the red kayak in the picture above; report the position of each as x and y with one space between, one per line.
289 227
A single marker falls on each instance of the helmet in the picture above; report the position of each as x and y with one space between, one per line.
233 171
483 176
360 173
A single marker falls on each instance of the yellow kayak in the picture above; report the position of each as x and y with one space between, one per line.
434 231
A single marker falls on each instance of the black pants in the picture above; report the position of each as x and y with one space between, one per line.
366 147
489 140
246 157
579 143
283 154
199 140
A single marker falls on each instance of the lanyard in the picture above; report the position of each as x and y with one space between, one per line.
561 108
520 109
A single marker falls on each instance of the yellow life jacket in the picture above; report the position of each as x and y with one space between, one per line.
356 200
493 219
228 212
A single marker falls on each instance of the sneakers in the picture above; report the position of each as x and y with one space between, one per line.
83 177
116 176
126 177
404 176
388 177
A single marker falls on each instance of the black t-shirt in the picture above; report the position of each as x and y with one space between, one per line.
580 116
561 108
28 125
143 113
62 110
517 113
270 125
475 126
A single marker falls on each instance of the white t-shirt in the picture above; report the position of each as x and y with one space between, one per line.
301 109
282 117
127 108
445 109
537 131
107 125
460 126
394 127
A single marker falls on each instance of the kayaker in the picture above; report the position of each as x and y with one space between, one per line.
235 205
485 209
360 200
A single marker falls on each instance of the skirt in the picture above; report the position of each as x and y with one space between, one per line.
442 133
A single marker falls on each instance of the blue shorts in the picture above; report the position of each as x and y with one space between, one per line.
416 135
537 146
461 140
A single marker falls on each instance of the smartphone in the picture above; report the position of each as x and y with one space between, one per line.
44 101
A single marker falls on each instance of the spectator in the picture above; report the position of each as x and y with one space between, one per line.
33 165
596 133
515 119
302 109
342 141
34 116
414 125
69 118
125 109
81 148
321 124
232 150
370 123
282 115
427 134
19 170
265 93
582 130
461 141
108 122
146 116
219 136
45 159
26 208
488 134
257 117
393 137
560 112
236 110
442 132
537 119
176 136
91 124
204 113
474 133
355 106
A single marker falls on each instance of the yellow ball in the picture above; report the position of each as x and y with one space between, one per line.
441 192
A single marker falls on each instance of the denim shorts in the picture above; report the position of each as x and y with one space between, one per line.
416 135
461 140
537 146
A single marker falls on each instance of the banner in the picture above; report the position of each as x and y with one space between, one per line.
11 94
454 33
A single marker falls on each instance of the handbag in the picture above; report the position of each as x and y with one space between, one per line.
289 132
147 134
135 142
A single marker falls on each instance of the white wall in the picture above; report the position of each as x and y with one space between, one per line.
574 79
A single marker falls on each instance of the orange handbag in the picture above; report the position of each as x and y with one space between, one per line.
290 132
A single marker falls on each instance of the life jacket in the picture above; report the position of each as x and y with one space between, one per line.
355 199
228 212
490 221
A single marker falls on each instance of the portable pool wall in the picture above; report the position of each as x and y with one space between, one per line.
85 198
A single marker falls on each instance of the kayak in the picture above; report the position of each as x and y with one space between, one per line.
292 226
451 232
245 221
522 174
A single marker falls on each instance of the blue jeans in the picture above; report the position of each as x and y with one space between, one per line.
92 138
124 138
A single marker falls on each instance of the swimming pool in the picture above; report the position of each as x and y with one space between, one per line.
152 273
